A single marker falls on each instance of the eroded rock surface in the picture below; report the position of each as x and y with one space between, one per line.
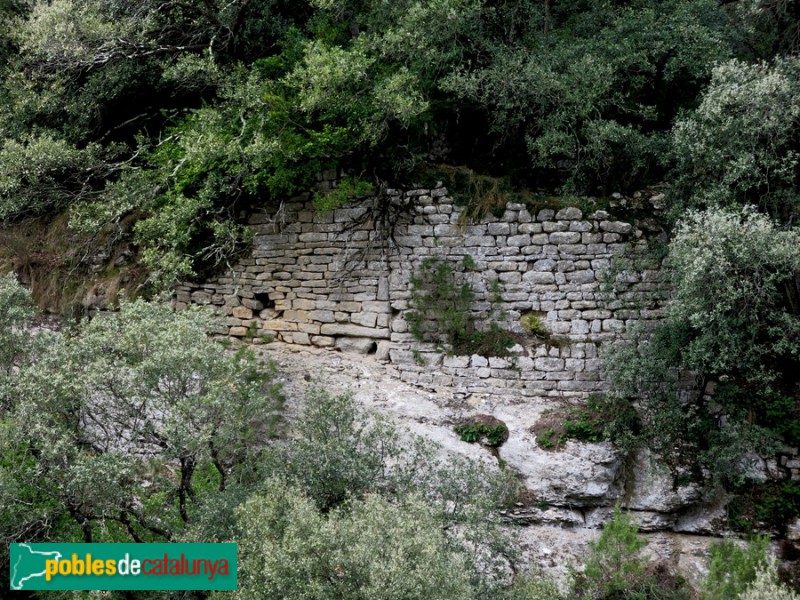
574 488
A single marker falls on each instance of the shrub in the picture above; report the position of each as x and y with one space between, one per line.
740 145
598 421
765 506
533 586
373 550
120 425
615 568
767 587
733 568
731 322
485 429
613 564
16 312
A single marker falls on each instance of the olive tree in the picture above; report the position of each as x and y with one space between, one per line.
372 549
118 426
17 309
732 325
740 145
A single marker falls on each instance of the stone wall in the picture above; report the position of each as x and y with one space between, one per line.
341 280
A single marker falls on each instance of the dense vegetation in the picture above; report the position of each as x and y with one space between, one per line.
182 115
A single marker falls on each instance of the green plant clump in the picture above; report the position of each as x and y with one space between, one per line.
442 303
766 505
485 434
595 422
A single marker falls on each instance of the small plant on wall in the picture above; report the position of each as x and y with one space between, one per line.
441 310
483 429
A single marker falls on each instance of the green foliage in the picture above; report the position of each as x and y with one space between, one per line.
247 101
764 506
615 567
534 325
733 568
441 302
533 586
39 173
613 561
114 424
598 421
563 88
374 549
340 459
732 320
16 312
347 188
740 145
767 587
485 434
337 454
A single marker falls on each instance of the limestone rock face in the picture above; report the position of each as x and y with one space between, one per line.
651 488
578 474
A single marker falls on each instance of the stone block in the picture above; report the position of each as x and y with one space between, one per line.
581 277
549 364
313 237
519 240
456 362
582 226
498 229
540 239
552 226
366 319
356 345
537 277
382 350
565 237
570 213
478 361
377 306
353 331
242 312
323 341
615 227
321 316
545 264
278 325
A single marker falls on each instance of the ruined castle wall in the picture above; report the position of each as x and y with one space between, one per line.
341 279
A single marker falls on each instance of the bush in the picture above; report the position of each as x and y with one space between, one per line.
16 312
733 568
732 324
740 145
484 429
601 419
533 586
766 586
615 568
373 549
120 426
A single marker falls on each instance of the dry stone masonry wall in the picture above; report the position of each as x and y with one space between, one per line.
341 279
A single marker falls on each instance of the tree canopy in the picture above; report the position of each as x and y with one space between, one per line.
185 114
